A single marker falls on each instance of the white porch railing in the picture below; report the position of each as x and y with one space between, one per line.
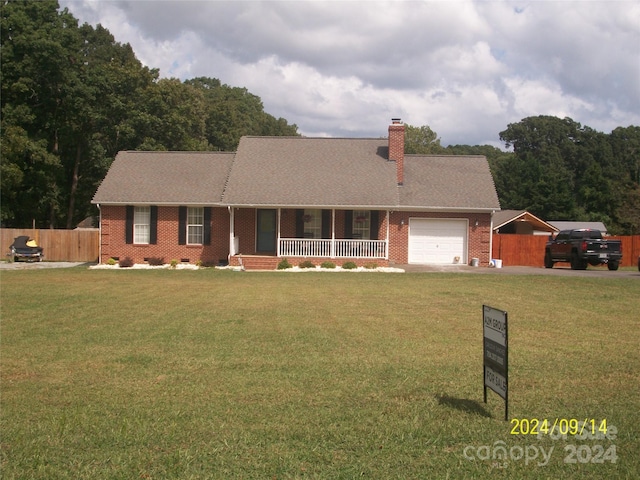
339 248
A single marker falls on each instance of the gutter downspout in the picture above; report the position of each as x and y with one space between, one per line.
99 234
491 237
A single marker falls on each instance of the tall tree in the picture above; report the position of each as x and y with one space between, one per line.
564 171
421 140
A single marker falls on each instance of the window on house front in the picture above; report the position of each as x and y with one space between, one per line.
361 224
312 219
195 226
141 225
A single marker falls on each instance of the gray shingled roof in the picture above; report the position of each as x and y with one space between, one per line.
165 178
299 171
448 182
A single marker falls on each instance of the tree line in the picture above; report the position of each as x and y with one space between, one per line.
558 169
72 97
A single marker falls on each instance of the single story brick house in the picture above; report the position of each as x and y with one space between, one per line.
300 198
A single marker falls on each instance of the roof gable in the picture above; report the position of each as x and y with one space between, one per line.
448 182
174 178
300 171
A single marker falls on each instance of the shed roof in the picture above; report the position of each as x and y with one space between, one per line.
504 217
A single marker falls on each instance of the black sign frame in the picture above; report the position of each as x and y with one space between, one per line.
495 354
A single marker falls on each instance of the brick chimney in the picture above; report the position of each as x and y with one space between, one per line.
396 147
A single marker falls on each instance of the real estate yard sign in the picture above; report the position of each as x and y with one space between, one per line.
496 375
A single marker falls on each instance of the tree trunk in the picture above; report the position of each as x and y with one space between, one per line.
74 187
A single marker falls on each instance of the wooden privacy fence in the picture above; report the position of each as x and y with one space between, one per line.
58 245
528 250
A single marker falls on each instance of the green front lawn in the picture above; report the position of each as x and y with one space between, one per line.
217 374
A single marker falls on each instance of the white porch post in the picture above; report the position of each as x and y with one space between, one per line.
278 233
386 254
332 252
232 246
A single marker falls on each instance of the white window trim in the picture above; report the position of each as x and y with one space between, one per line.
190 215
141 225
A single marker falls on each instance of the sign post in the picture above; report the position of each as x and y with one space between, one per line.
495 353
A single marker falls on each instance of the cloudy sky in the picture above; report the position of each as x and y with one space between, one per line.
345 68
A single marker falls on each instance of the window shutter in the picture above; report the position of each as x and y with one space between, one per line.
326 223
375 224
348 224
299 223
207 226
153 225
128 228
182 225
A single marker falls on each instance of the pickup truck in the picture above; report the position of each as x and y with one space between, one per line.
581 248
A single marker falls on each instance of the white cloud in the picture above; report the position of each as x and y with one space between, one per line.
344 68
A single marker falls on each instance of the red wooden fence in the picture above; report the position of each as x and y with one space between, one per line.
528 250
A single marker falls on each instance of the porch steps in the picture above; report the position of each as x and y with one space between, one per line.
255 262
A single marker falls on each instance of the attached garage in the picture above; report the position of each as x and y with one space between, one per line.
437 241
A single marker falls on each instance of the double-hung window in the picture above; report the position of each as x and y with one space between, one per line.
312 223
362 224
195 226
141 225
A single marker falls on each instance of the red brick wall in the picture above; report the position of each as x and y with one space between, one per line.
113 234
113 238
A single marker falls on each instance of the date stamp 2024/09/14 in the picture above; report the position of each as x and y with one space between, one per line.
587 429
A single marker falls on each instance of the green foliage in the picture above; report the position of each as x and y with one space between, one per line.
370 266
349 265
111 261
306 264
72 97
561 170
284 264
328 264
421 140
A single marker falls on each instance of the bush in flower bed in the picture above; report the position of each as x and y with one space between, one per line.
328 265
284 264
125 262
306 264
371 266
155 261
349 265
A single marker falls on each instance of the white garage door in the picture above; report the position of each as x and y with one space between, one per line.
438 241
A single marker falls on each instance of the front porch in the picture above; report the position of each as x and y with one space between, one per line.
262 237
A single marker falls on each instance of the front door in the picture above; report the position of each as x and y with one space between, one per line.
266 231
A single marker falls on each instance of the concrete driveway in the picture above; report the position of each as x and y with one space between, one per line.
38 265
593 272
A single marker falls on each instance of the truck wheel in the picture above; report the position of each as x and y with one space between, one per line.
548 263
613 265
576 263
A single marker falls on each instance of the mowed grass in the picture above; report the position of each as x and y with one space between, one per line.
279 375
